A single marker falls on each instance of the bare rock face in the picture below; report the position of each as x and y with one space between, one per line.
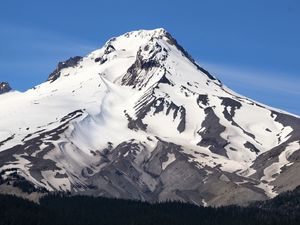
4 87
71 62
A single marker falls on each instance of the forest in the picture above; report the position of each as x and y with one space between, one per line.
59 209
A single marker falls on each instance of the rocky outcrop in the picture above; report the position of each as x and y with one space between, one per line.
4 87
71 62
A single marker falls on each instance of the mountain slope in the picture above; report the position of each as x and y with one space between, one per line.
140 119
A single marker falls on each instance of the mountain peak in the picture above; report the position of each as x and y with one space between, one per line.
4 87
159 32
150 48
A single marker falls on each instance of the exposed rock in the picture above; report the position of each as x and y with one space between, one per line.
71 62
4 87
154 128
211 134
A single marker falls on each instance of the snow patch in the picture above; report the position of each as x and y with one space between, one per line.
171 158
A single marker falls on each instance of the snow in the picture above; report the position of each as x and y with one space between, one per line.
275 168
171 158
256 120
96 89
52 183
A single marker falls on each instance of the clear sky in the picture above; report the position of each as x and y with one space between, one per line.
252 46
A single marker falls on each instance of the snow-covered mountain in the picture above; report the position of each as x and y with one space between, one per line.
140 119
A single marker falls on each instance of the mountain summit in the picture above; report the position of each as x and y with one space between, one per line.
140 119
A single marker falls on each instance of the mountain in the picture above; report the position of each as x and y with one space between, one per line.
140 119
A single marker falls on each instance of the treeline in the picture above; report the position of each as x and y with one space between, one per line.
83 210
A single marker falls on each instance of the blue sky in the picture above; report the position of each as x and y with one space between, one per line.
252 46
